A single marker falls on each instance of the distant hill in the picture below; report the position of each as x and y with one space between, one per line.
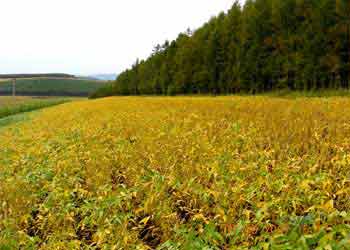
104 77
53 75
51 86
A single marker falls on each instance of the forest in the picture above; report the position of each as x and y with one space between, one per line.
265 45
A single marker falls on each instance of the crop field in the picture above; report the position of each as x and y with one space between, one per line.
178 173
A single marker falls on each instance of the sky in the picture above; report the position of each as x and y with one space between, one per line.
87 37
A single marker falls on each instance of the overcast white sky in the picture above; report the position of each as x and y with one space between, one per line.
92 36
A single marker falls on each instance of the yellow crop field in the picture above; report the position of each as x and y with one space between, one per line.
178 173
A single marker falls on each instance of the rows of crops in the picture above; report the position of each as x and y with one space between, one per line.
178 173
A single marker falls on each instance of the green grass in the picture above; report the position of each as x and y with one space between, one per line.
52 87
10 107
14 119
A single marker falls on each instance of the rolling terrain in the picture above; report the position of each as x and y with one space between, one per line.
51 87
178 173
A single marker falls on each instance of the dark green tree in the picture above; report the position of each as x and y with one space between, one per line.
262 46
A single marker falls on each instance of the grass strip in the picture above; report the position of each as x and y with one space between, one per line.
30 106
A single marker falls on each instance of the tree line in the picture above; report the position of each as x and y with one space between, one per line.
262 46
53 75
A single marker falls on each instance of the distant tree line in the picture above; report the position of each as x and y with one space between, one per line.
51 86
46 93
263 46
53 75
